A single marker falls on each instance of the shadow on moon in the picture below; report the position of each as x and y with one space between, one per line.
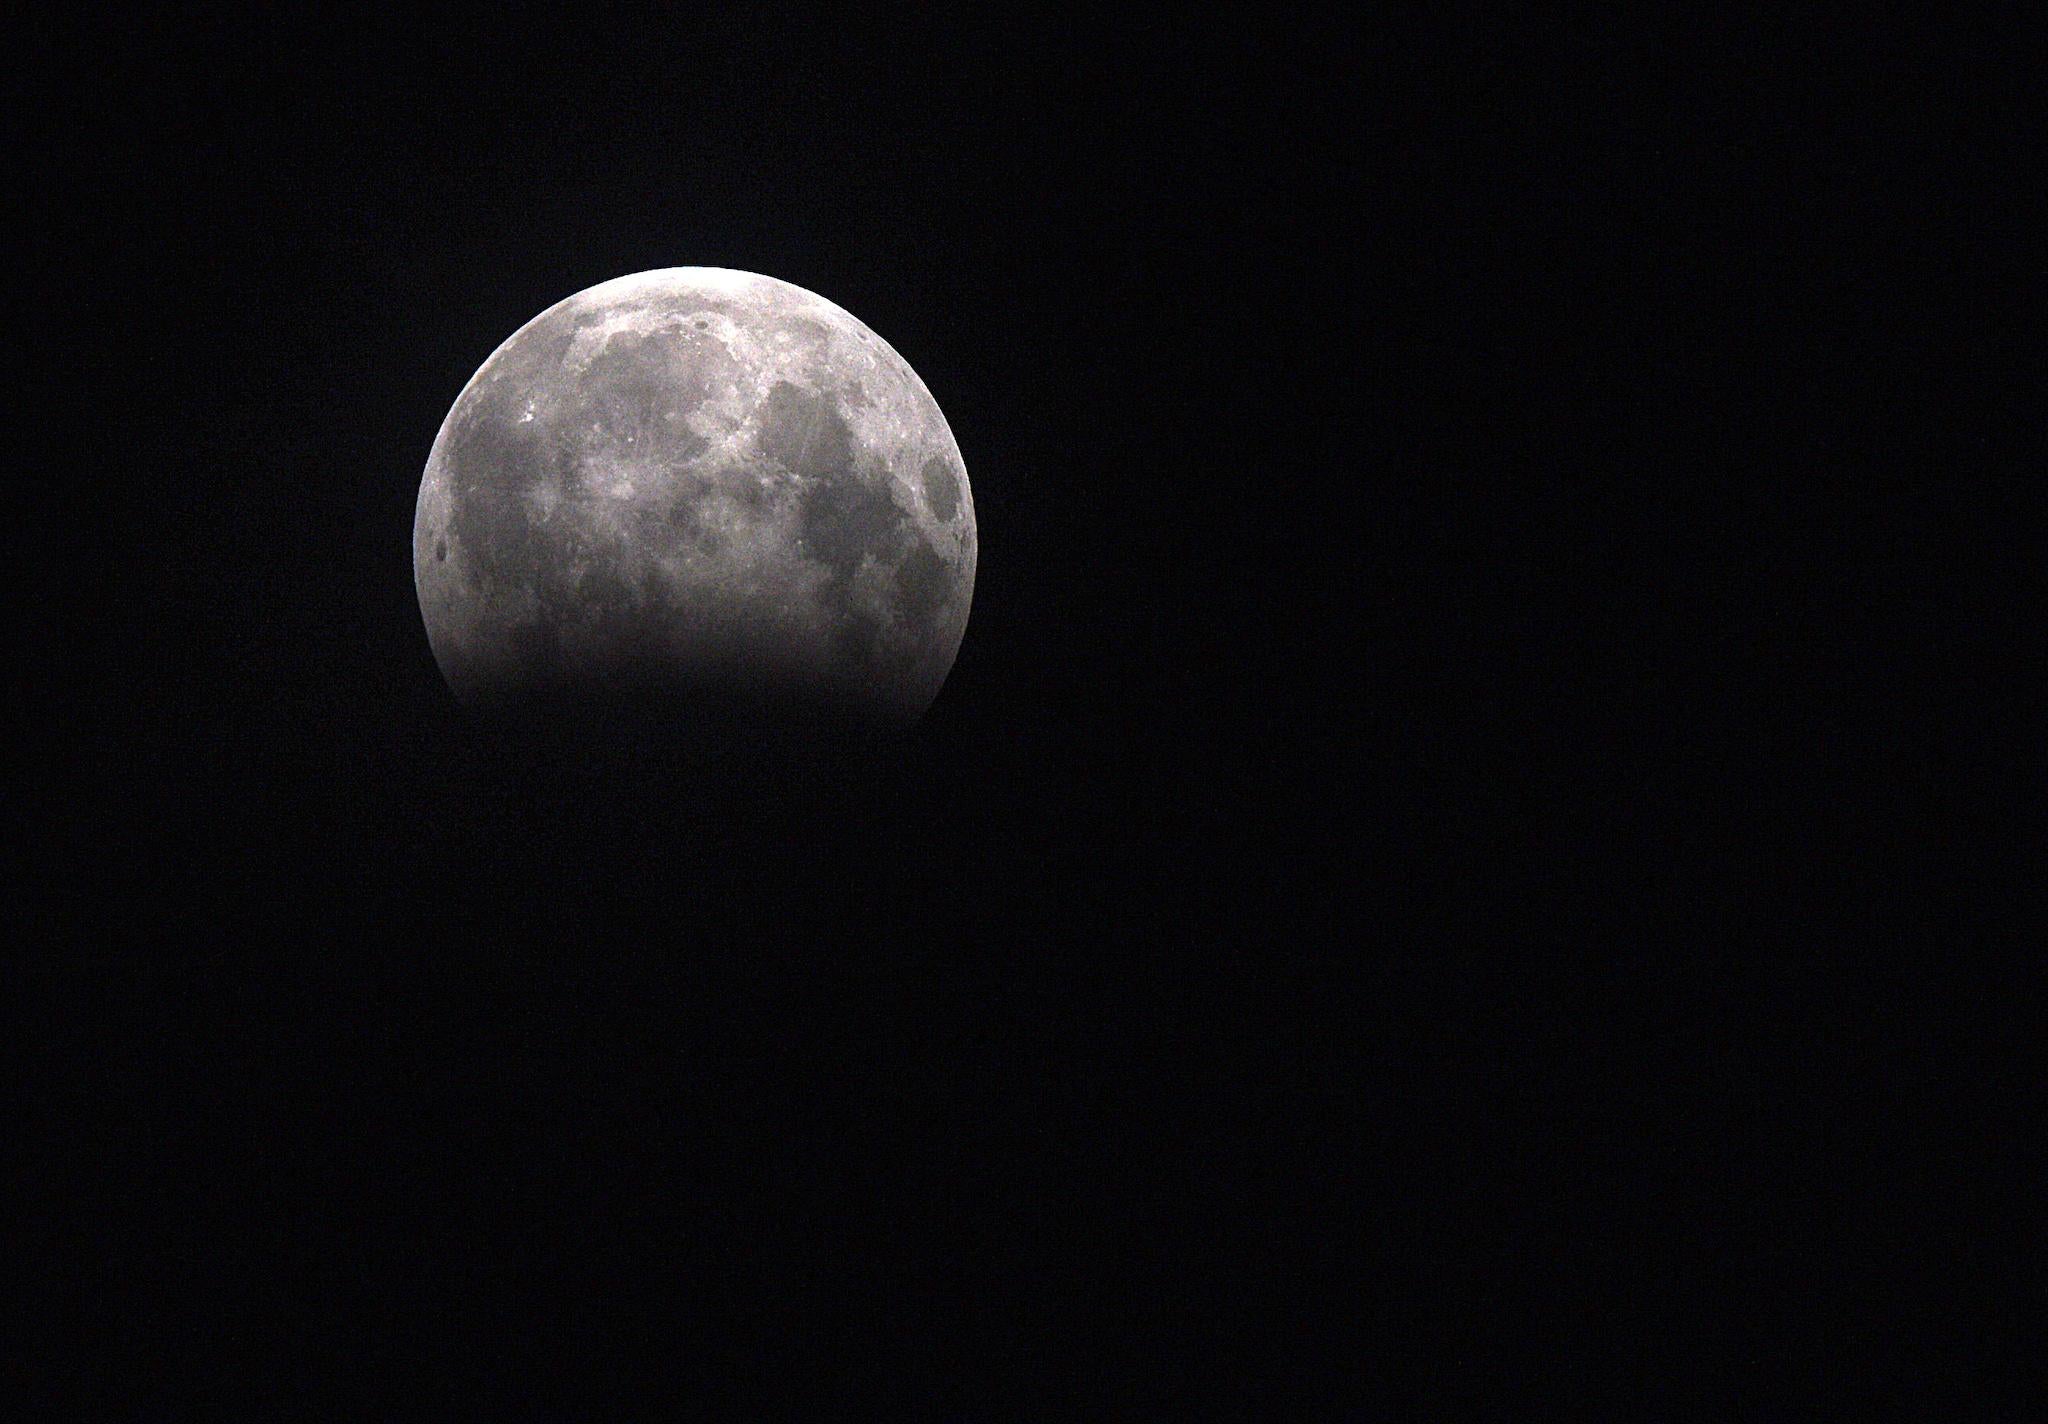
667 752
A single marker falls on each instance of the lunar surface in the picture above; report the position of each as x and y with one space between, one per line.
695 492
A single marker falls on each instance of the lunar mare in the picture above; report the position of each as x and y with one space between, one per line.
695 485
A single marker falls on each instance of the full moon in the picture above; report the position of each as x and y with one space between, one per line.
695 495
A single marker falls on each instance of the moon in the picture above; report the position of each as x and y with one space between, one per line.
692 494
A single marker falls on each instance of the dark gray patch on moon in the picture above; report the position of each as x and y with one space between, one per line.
923 581
497 463
631 386
854 638
845 520
941 489
804 432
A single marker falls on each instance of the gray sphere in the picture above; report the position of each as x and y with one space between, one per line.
695 490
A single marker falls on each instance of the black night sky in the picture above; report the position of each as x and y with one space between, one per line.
1365 923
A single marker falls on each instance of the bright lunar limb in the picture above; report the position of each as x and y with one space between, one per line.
695 489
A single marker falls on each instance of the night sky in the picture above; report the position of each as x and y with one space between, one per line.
1353 929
